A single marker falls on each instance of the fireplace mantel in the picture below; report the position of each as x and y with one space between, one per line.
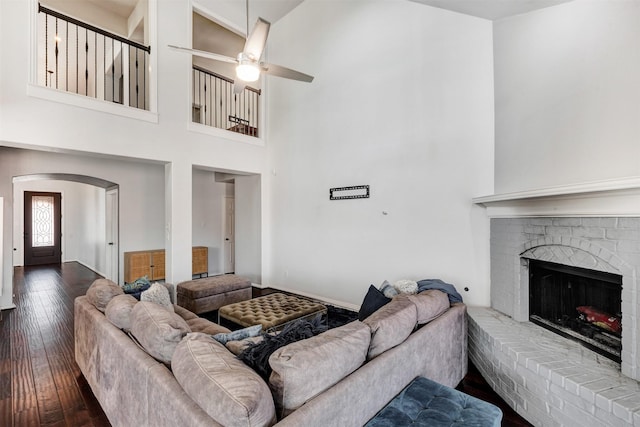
619 198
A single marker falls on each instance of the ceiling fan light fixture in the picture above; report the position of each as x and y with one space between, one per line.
247 70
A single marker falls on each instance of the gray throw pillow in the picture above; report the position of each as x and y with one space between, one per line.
158 294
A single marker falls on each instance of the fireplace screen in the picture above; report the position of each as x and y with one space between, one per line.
580 304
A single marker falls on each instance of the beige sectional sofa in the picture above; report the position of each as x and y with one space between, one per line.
168 371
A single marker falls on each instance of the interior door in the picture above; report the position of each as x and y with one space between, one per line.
229 235
42 228
111 235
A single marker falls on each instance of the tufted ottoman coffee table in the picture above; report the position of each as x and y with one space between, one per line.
425 403
211 293
272 311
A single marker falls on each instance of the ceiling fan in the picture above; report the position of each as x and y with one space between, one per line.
249 65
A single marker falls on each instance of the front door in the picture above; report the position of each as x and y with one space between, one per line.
42 228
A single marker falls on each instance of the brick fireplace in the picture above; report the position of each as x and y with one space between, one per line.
545 377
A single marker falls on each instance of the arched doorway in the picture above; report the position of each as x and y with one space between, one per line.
89 229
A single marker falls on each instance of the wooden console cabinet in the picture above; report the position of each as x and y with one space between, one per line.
200 260
151 263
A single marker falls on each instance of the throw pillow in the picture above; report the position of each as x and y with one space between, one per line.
101 292
251 331
137 286
257 356
158 294
388 290
372 302
408 287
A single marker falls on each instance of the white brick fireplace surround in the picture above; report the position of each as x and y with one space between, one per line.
549 380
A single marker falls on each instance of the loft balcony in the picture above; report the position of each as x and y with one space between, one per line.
78 57
215 104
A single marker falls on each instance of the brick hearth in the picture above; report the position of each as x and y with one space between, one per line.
548 379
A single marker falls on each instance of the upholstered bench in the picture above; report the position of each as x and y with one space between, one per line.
426 403
211 293
272 311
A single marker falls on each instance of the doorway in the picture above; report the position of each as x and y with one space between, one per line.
111 235
42 228
229 235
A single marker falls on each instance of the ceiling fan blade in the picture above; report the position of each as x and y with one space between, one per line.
238 86
287 73
204 54
254 46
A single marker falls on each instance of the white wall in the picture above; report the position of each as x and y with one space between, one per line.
208 217
567 91
402 101
83 221
249 193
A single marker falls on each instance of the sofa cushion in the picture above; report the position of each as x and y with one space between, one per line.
373 300
224 387
205 326
119 311
257 356
304 369
157 329
391 325
430 304
101 292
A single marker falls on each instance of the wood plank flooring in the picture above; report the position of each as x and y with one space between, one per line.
40 382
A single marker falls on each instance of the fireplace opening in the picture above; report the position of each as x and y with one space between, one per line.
580 304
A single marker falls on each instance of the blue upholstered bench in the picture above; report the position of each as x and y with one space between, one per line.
427 403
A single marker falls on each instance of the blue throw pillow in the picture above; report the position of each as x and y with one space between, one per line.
137 286
372 302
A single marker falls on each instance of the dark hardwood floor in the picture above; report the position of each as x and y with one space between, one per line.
40 382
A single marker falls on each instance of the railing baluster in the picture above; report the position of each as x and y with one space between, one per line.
86 62
46 50
137 83
77 60
57 37
113 71
95 65
66 61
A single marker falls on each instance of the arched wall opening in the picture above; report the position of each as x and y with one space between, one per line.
90 218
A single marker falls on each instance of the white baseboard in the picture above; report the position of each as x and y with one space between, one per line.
316 297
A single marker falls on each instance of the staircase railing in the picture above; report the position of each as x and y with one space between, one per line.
215 104
77 57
